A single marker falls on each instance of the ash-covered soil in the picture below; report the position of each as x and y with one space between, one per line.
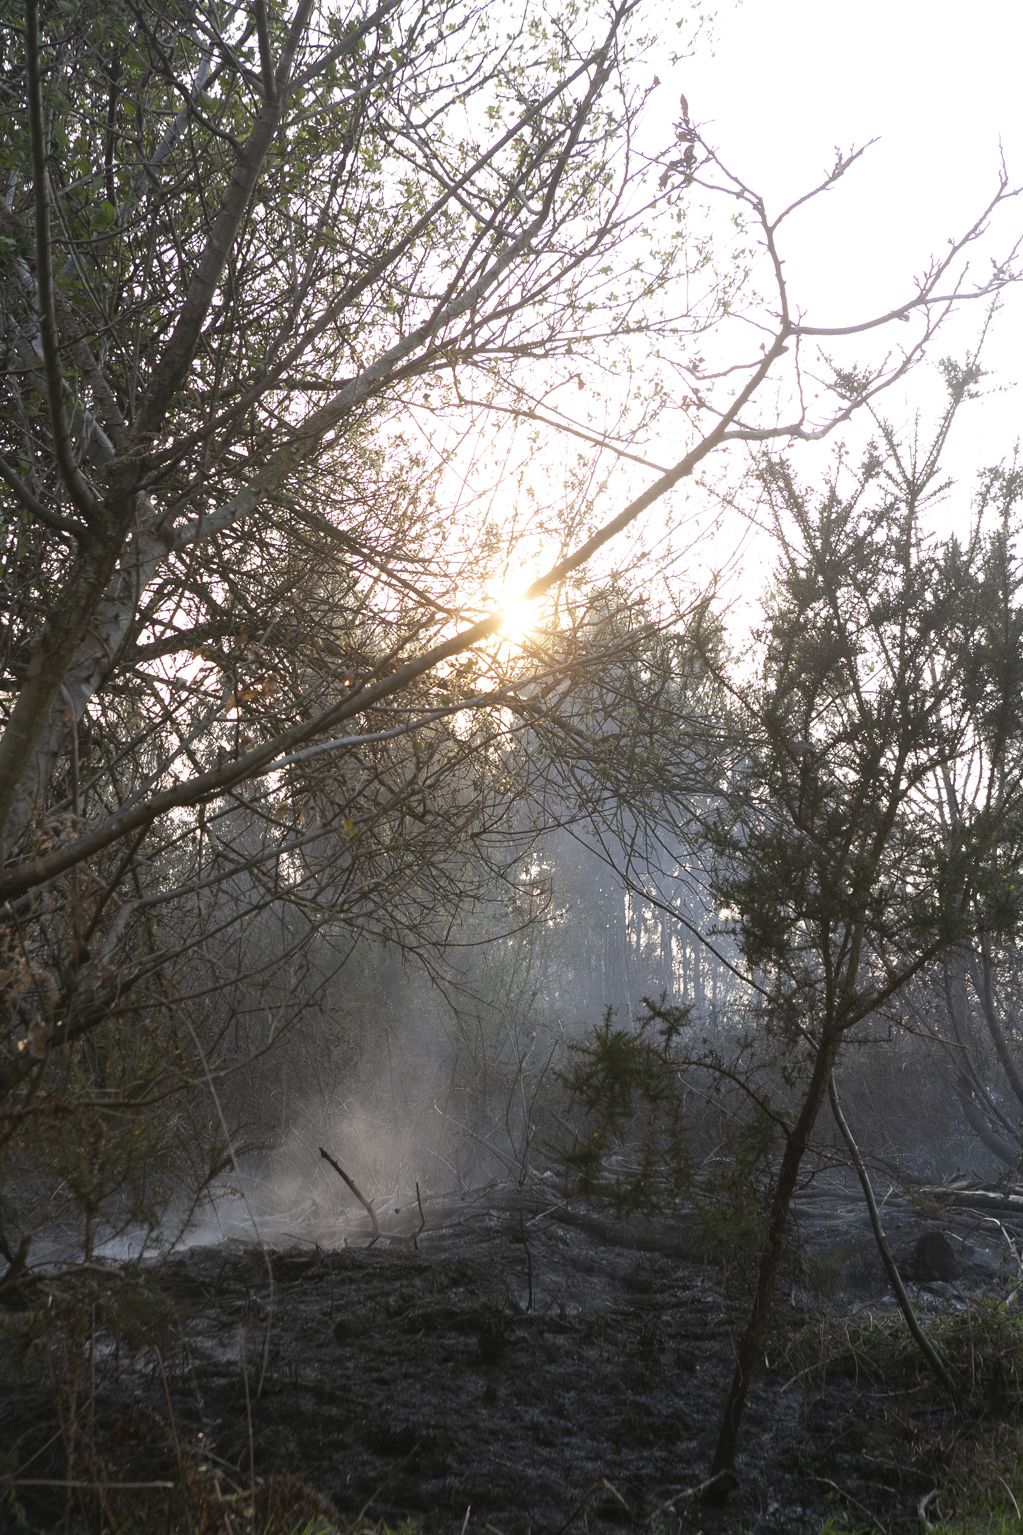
519 1365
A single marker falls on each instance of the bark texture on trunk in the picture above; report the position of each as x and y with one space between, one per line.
751 1344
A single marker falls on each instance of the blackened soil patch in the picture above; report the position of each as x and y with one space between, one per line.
525 1367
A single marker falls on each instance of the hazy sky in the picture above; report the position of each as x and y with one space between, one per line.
937 84
778 84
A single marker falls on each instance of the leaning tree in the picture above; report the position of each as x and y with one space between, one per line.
883 673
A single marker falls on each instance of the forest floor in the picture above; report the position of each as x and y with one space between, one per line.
521 1364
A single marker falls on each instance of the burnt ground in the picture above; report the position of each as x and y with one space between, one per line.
521 1365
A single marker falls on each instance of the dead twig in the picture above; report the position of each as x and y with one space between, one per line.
927 1350
364 1202
422 1227
923 1505
826 1481
601 1485
724 1481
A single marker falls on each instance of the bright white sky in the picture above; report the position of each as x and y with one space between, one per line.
775 86
781 83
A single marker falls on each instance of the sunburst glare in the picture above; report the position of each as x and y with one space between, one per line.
519 614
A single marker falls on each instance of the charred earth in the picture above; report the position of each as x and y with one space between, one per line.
510 1362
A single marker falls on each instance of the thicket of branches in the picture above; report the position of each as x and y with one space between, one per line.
290 297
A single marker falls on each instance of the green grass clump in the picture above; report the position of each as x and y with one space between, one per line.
982 1347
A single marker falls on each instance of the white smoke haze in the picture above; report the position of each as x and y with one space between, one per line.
418 1093
431 1108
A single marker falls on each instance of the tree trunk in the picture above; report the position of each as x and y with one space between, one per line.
39 695
752 1343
